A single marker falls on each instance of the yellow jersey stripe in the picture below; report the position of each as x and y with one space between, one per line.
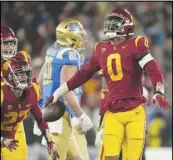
95 46
25 54
2 95
137 39
37 90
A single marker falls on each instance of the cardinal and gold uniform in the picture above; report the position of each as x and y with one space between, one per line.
21 151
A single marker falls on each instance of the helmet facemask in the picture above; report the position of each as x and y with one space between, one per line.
8 48
113 26
21 78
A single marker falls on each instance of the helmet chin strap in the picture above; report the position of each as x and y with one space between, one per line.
22 86
110 35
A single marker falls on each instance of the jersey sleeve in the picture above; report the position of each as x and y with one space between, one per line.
143 54
147 62
142 45
69 57
85 73
37 91
36 111
25 55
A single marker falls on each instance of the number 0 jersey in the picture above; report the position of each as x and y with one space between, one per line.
123 67
55 59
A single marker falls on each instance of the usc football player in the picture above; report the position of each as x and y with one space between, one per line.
9 44
16 103
123 58
102 110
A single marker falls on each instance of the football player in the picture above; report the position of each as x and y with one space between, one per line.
16 103
102 111
61 63
9 44
123 59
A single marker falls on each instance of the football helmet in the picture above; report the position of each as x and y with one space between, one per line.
70 33
9 43
119 23
17 73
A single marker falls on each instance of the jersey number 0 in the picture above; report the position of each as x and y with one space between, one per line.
110 67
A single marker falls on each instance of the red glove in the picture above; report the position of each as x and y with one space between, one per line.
10 144
50 144
51 148
161 100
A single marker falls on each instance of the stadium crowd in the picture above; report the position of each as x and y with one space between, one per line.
34 24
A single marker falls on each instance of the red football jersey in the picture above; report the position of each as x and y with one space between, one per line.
14 110
121 68
102 104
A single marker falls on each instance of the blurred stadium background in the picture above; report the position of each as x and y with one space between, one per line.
34 24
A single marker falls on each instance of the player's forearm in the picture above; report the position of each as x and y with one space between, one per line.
156 76
71 100
82 76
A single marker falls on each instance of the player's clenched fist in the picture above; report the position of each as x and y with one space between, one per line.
9 143
86 123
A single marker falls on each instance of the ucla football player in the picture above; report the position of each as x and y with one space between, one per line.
61 62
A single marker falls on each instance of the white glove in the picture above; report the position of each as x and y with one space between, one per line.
86 123
36 130
99 138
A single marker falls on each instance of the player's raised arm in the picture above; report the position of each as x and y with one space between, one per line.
150 66
80 77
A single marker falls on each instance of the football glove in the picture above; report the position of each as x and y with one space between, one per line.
99 138
161 100
86 123
51 149
9 143
50 145
159 97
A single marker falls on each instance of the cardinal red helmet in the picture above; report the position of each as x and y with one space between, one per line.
17 73
119 23
9 43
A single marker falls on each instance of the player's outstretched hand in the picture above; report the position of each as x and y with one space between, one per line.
161 100
52 150
10 144
99 138
86 123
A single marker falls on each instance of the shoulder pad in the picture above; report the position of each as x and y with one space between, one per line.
37 90
141 41
25 55
65 51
